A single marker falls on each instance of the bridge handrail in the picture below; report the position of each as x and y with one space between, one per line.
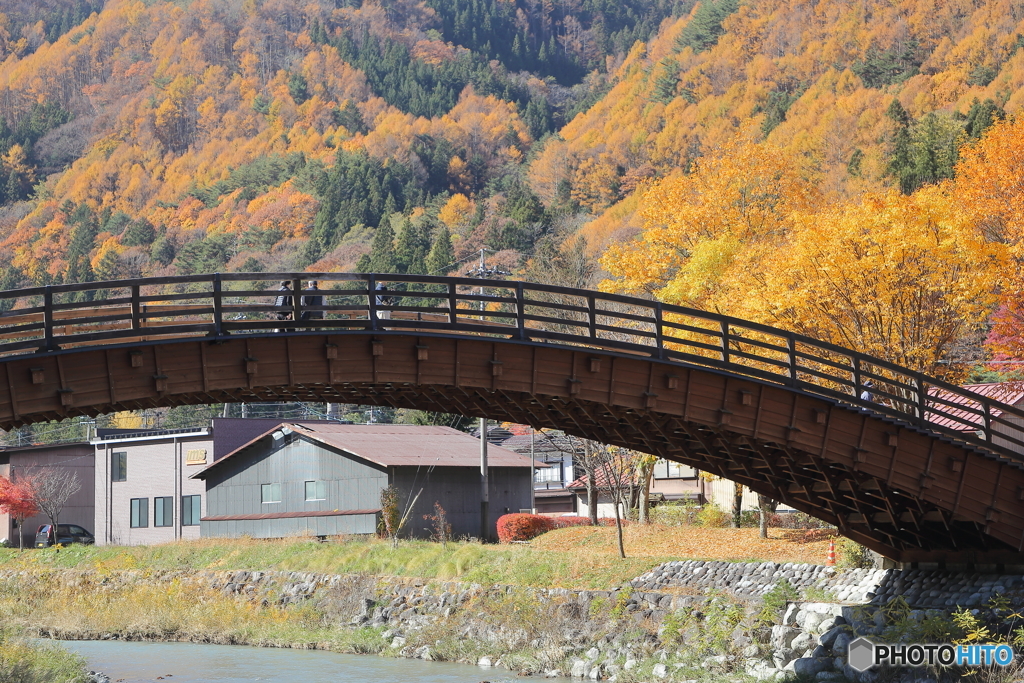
43 319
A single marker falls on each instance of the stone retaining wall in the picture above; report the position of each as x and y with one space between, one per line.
605 635
921 589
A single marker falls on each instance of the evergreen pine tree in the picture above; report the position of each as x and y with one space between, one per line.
442 255
901 162
298 88
405 249
665 85
382 250
981 116
13 189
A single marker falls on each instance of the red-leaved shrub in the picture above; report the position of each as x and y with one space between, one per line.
522 526
563 522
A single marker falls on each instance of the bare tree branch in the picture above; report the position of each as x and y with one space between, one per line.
53 488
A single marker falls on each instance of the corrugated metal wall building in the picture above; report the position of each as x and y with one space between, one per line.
326 479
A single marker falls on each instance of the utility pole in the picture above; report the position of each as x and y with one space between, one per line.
533 474
484 493
482 271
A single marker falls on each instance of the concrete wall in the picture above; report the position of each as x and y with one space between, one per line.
80 507
235 489
157 467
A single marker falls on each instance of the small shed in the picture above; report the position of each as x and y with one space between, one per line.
325 479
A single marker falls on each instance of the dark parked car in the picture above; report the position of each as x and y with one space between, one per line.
66 534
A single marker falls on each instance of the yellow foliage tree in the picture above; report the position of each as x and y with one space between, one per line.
901 278
704 232
456 211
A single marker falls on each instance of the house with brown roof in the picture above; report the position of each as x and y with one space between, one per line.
324 479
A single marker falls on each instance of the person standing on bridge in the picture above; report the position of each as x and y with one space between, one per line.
383 299
866 395
312 298
283 300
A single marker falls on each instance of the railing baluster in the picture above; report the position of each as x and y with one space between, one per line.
855 361
371 296
453 317
986 408
791 360
48 319
136 321
919 379
723 327
218 311
592 316
296 300
520 311
659 340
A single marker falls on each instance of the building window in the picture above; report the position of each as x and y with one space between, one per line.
163 511
195 456
553 473
140 513
271 493
663 469
191 510
316 490
119 466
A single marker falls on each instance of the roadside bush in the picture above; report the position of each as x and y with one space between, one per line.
563 522
712 516
675 514
798 520
522 526
852 555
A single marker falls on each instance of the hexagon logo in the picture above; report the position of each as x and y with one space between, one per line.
861 654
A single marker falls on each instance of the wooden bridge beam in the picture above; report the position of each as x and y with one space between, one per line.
903 492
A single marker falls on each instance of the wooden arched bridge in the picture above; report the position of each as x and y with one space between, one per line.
920 470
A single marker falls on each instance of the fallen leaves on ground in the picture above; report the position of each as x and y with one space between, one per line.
688 542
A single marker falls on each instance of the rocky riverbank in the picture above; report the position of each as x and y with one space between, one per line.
682 621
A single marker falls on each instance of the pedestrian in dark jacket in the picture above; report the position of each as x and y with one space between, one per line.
283 300
312 298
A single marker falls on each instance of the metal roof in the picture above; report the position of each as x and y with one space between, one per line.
394 445
1010 393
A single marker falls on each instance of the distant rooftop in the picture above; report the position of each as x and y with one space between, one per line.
394 445
1010 393
103 434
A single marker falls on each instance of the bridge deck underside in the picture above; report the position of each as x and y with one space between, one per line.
912 496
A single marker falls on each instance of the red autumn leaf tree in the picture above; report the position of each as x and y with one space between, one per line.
18 499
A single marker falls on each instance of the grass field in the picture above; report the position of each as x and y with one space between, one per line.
691 542
580 557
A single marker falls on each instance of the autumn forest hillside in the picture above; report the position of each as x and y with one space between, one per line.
844 168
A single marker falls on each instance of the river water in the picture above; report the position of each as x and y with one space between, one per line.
191 663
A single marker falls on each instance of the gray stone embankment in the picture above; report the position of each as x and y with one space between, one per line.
920 588
682 621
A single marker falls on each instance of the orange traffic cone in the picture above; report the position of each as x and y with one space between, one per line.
831 561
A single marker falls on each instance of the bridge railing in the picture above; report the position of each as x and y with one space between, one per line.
44 319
